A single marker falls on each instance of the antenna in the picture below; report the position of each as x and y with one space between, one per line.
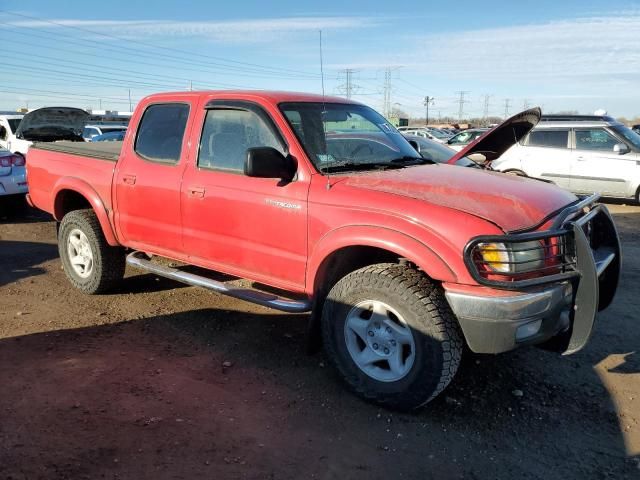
324 130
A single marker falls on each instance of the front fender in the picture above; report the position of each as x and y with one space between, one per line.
87 191
384 238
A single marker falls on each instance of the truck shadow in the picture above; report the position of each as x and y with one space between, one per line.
15 267
204 390
16 210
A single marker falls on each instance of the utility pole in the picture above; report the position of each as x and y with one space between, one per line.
461 103
386 110
507 102
427 100
130 107
191 85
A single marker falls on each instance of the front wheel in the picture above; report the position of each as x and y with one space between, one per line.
90 263
391 335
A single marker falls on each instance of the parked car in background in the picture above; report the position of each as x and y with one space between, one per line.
636 128
91 131
48 124
8 126
579 153
436 151
427 133
464 138
116 136
12 174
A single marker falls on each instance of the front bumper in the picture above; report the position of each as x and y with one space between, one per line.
14 183
559 313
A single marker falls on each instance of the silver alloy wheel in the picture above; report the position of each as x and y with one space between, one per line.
80 254
379 341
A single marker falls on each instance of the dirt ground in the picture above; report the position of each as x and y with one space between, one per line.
163 381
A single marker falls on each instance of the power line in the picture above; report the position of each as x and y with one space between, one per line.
228 63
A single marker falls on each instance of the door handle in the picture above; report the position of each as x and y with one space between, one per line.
129 179
196 192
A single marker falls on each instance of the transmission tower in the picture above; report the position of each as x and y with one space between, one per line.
485 111
461 102
507 104
386 109
348 88
525 104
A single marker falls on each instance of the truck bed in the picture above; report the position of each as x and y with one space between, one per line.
100 150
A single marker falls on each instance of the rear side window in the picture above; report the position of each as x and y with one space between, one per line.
161 131
549 138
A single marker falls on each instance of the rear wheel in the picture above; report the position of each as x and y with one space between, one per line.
391 335
90 263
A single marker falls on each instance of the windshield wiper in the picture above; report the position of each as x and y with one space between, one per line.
348 165
412 159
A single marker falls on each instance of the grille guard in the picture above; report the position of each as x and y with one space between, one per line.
595 273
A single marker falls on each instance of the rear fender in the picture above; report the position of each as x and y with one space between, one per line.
83 188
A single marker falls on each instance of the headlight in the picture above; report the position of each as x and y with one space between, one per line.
518 257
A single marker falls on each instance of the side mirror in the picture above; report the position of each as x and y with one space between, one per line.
267 162
621 148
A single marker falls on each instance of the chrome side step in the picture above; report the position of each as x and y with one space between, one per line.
140 260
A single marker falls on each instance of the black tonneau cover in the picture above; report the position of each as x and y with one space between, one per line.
100 150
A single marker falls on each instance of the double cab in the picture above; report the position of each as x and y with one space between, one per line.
326 208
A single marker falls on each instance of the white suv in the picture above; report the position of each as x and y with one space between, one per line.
584 154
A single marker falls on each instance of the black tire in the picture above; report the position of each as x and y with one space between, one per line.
421 303
108 262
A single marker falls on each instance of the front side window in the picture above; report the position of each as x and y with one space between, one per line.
461 138
228 134
594 139
549 138
631 136
161 131
345 136
13 124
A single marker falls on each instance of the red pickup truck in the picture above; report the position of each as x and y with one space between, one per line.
327 209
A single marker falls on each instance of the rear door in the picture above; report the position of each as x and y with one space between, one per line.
546 154
595 167
250 227
148 178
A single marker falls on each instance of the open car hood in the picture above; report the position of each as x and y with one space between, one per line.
53 123
499 139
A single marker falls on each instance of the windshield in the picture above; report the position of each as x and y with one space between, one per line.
13 124
630 136
345 134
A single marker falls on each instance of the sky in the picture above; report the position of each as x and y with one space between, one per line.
560 55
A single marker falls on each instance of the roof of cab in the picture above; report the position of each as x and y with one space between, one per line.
270 96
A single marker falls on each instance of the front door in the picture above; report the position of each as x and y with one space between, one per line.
250 227
595 167
148 178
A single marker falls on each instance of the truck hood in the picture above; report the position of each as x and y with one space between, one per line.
499 139
50 124
508 201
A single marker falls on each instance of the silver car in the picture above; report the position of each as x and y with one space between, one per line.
583 154
13 179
